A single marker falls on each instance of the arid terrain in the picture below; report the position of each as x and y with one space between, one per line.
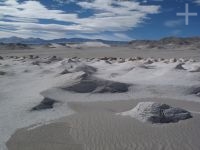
88 96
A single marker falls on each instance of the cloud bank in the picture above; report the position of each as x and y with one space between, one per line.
33 19
197 1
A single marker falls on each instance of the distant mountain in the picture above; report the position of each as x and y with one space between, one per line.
62 40
11 40
167 43
6 46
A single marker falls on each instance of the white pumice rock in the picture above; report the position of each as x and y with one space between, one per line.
138 58
161 59
182 60
172 60
153 112
194 68
167 61
191 60
132 59
149 61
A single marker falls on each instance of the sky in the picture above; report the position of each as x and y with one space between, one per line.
121 20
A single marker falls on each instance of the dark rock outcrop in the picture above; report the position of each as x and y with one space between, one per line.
46 103
93 85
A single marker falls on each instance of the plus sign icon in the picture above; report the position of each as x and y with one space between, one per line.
187 14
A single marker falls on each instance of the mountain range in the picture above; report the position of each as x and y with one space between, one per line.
167 43
62 40
164 43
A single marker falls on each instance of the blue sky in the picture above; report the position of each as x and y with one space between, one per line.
98 19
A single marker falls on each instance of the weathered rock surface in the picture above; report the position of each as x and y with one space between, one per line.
46 103
157 113
97 86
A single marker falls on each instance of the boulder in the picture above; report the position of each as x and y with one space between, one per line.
157 113
46 103
92 85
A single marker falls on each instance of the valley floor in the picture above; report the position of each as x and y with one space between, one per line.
53 103
114 51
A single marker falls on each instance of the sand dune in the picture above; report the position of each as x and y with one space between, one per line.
96 126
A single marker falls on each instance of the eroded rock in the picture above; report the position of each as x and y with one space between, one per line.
46 103
92 85
157 113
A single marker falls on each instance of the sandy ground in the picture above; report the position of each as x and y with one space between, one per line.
118 51
95 126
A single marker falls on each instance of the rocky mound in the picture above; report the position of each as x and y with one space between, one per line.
180 66
48 60
195 91
93 85
157 113
46 103
2 73
86 69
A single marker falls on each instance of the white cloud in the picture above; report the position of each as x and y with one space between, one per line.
33 10
197 1
110 15
110 36
122 37
173 23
